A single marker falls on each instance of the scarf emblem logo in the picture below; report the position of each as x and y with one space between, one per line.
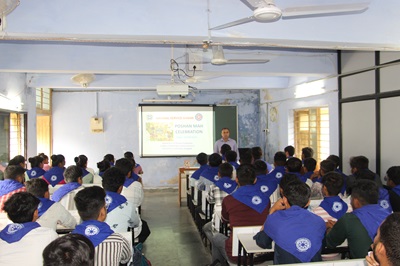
227 185
278 175
337 206
216 178
53 178
33 173
256 200
40 205
303 244
384 204
13 228
109 200
91 230
264 189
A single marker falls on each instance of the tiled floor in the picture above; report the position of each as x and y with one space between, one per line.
174 239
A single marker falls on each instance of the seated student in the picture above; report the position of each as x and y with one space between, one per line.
103 166
23 241
269 183
231 158
309 168
109 157
332 207
137 168
224 149
358 227
297 233
246 206
55 175
13 183
359 163
121 214
18 160
201 159
336 160
46 165
66 193
325 167
307 152
289 151
293 166
133 188
69 250
36 170
279 166
110 248
218 191
285 180
81 161
386 246
210 175
257 155
246 157
393 183
50 213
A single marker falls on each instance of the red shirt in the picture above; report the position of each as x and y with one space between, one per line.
5 197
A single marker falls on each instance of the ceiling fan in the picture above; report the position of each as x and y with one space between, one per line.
267 11
83 79
6 7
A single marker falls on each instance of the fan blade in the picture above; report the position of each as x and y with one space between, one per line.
234 23
324 10
247 61
254 4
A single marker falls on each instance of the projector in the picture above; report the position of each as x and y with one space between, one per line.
173 89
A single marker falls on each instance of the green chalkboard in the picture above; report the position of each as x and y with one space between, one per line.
225 116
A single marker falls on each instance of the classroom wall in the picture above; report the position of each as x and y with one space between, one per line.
71 127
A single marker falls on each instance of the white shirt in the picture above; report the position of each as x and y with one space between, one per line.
57 214
134 193
124 216
27 251
68 200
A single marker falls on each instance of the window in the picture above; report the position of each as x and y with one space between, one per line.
311 129
43 120
12 136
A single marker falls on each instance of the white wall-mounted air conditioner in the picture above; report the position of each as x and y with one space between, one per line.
173 89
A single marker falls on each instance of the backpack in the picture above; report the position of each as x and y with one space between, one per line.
138 258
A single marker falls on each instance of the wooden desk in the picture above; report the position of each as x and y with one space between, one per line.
183 171
248 245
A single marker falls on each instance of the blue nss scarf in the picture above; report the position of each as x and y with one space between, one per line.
54 175
306 176
35 172
44 205
267 187
113 200
277 173
384 200
252 196
335 206
343 190
15 232
396 189
371 216
64 190
197 173
226 184
84 172
96 231
8 186
234 164
211 173
297 231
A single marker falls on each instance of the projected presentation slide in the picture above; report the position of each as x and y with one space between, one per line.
176 130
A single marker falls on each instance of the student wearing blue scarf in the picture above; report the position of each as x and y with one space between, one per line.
23 241
36 170
360 226
289 151
110 248
210 175
55 175
201 159
73 179
293 166
279 166
297 233
82 161
257 155
393 183
13 183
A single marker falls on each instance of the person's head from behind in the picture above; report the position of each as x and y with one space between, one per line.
90 203
225 133
103 166
81 161
310 164
113 180
358 163
17 160
125 165
286 179
69 250
224 148
364 192
109 157
307 152
214 160
202 158
293 165
335 159
289 151
36 161
45 158
296 194
332 184
57 160
280 158
326 166
261 167
225 170
231 156
128 155
73 173
246 156
257 153
22 207
386 246
15 172
393 176
246 175
37 187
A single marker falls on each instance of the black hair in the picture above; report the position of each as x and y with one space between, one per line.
335 159
231 156
366 191
261 167
307 152
393 173
44 156
365 174
17 160
290 150
310 164
333 182
13 172
113 179
280 158
69 250
103 165
294 165
225 169
246 174
125 165
81 161
56 159
72 173
389 236
256 152
226 129
37 187
359 162
214 160
89 202
327 166
128 155
21 207
224 148
202 158
35 161
246 156
297 193
288 178
109 157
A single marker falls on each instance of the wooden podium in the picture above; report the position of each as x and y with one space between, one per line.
183 173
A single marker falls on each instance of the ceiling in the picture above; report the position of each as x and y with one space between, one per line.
128 44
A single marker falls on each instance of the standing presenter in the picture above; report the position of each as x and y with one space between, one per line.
225 140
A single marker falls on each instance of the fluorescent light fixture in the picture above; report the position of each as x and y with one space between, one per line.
310 89
166 100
